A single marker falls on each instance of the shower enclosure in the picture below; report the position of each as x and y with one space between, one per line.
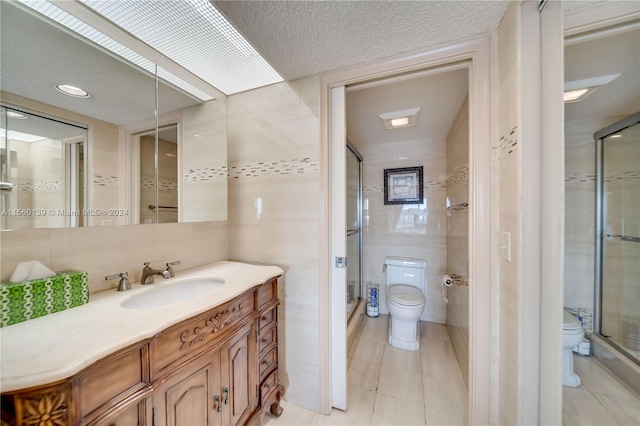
618 235
43 171
354 230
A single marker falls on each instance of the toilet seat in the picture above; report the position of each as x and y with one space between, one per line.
405 295
570 324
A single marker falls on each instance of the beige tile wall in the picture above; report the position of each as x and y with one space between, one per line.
411 230
580 213
457 160
508 218
108 250
274 205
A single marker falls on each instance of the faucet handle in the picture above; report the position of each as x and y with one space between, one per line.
146 264
170 269
124 284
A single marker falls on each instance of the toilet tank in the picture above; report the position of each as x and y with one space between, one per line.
406 270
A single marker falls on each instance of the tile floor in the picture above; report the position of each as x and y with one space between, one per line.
602 399
389 386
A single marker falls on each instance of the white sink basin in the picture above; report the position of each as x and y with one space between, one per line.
177 291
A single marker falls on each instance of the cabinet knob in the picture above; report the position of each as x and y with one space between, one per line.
266 341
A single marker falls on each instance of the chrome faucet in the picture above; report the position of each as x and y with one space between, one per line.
170 268
148 272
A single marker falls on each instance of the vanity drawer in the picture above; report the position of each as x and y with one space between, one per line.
268 338
268 385
267 292
191 337
117 378
267 318
268 362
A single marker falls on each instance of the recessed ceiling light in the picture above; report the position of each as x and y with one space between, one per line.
397 119
16 115
576 91
573 95
76 92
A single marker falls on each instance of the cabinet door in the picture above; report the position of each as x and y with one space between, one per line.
239 373
187 399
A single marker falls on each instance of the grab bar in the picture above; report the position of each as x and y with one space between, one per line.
625 238
152 207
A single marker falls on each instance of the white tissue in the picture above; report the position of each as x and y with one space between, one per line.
32 270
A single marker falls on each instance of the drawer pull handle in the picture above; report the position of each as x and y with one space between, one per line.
225 393
266 341
266 318
216 403
266 363
267 386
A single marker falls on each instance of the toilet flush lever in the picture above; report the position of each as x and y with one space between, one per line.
341 262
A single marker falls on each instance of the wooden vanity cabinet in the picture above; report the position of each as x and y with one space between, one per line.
217 368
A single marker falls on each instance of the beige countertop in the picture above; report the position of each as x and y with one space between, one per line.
57 346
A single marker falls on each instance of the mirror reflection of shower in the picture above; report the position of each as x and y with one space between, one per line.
618 254
43 171
158 201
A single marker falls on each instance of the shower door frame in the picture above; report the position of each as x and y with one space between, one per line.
356 153
599 137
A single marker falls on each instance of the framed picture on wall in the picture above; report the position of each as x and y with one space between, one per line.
403 186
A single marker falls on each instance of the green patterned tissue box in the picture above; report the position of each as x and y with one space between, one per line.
36 298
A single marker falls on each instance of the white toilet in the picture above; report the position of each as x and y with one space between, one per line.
406 279
572 333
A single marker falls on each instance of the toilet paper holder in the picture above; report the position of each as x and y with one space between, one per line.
455 279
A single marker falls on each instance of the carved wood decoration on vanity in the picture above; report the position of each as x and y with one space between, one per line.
216 368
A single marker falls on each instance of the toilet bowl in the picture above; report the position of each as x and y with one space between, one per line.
405 300
572 334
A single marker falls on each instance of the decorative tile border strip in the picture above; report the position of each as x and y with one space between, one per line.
628 176
508 143
163 185
277 167
106 180
580 178
459 176
41 186
206 174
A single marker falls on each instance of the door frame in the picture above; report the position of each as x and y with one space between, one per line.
477 53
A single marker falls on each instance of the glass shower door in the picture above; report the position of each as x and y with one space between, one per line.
354 234
620 239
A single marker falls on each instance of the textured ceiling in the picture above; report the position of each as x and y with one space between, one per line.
438 96
304 38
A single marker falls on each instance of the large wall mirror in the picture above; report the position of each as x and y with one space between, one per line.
136 150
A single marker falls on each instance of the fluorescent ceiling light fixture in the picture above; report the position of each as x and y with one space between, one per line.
573 95
397 119
69 90
576 91
16 115
196 36
121 51
23 137
615 136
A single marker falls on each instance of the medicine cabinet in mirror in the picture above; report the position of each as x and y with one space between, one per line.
98 166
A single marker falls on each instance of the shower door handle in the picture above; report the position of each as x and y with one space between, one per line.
350 232
625 238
